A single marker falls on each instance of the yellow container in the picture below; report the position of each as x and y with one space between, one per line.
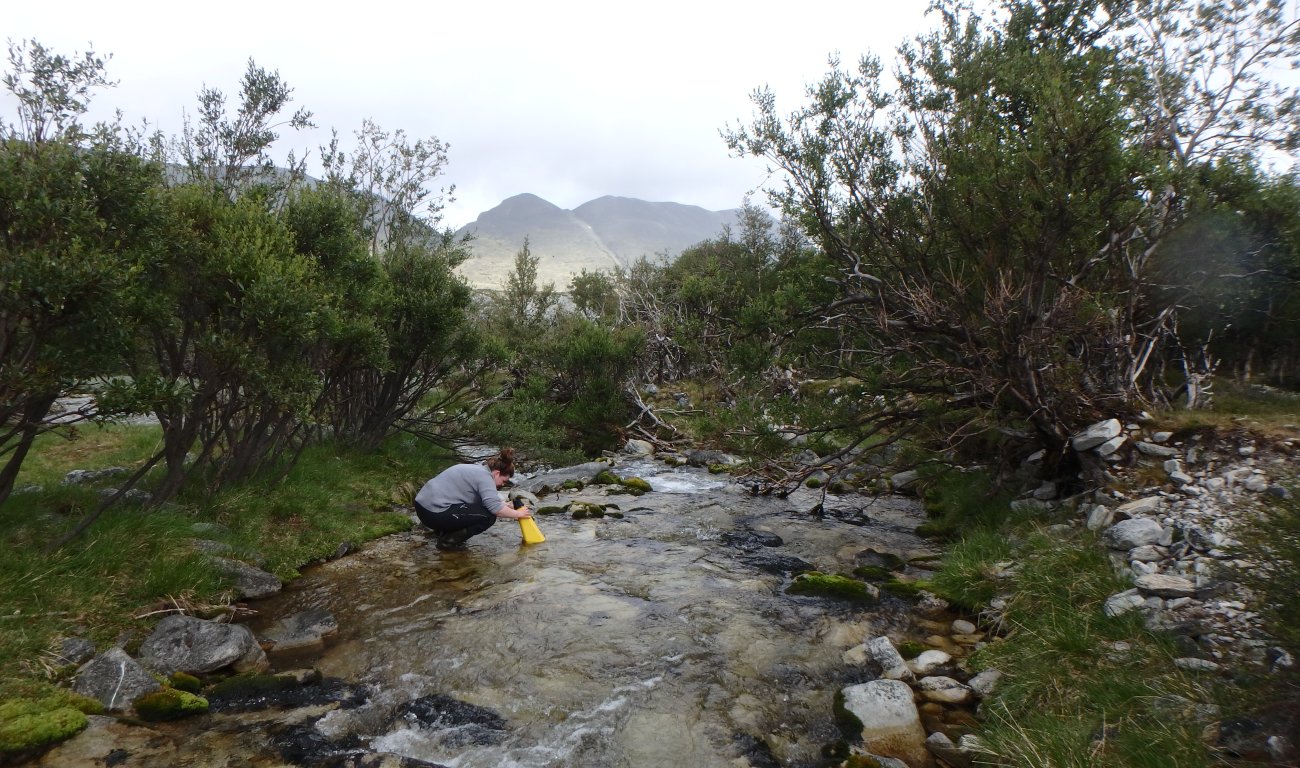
532 534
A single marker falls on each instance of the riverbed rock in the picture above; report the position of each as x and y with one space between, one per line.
882 653
636 447
891 724
302 630
944 690
115 679
106 741
195 646
929 662
468 724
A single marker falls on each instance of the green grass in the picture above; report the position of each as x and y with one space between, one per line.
107 583
1069 697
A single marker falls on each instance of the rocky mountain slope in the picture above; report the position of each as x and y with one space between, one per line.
598 235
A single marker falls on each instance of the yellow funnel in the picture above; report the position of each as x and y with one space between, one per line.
532 534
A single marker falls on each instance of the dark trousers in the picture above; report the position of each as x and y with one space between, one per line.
458 519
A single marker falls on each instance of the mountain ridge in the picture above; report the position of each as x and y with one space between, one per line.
602 234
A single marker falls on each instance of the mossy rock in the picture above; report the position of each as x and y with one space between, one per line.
829 585
839 488
873 573
169 704
848 723
182 681
934 529
583 510
910 649
251 685
616 515
28 725
719 469
551 510
899 588
573 485
607 478
636 484
861 761
813 482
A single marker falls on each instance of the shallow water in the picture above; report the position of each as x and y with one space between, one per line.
660 639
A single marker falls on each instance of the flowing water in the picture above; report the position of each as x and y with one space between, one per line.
662 638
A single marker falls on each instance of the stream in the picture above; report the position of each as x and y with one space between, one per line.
661 638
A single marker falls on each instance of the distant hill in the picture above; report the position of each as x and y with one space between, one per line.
599 235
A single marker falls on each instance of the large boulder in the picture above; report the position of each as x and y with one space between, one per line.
891 724
115 679
192 645
1096 434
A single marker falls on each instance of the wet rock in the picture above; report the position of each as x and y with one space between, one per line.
195 646
882 653
891 724
249 581
106 741
748 541
555 479
874 559
468 724
289 690
963 627
929 662
302 630
115 679
702 458
944 690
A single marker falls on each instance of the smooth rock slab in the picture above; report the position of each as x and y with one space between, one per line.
891 724
302 630
1162 585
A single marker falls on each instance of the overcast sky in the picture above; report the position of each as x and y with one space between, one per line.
568 100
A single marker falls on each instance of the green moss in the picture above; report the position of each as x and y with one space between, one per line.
813 482
169 704
935 529
829 585
861 761
551 510
848 723
606 478
573 485
185 682
839 487
251 685
582 510
910 649
899 588
28 725
873 573
636 484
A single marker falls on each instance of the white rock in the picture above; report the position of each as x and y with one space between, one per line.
1140 506
1160 451
944 690
928 662
1099 516
881 651
1161 437
1165 586
891 724
1112 445
963 627
1122 602
984 683
1196 665
1127 534
1096 434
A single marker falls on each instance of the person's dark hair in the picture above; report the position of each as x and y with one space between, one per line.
503 462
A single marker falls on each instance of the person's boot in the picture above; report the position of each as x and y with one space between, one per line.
452 540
